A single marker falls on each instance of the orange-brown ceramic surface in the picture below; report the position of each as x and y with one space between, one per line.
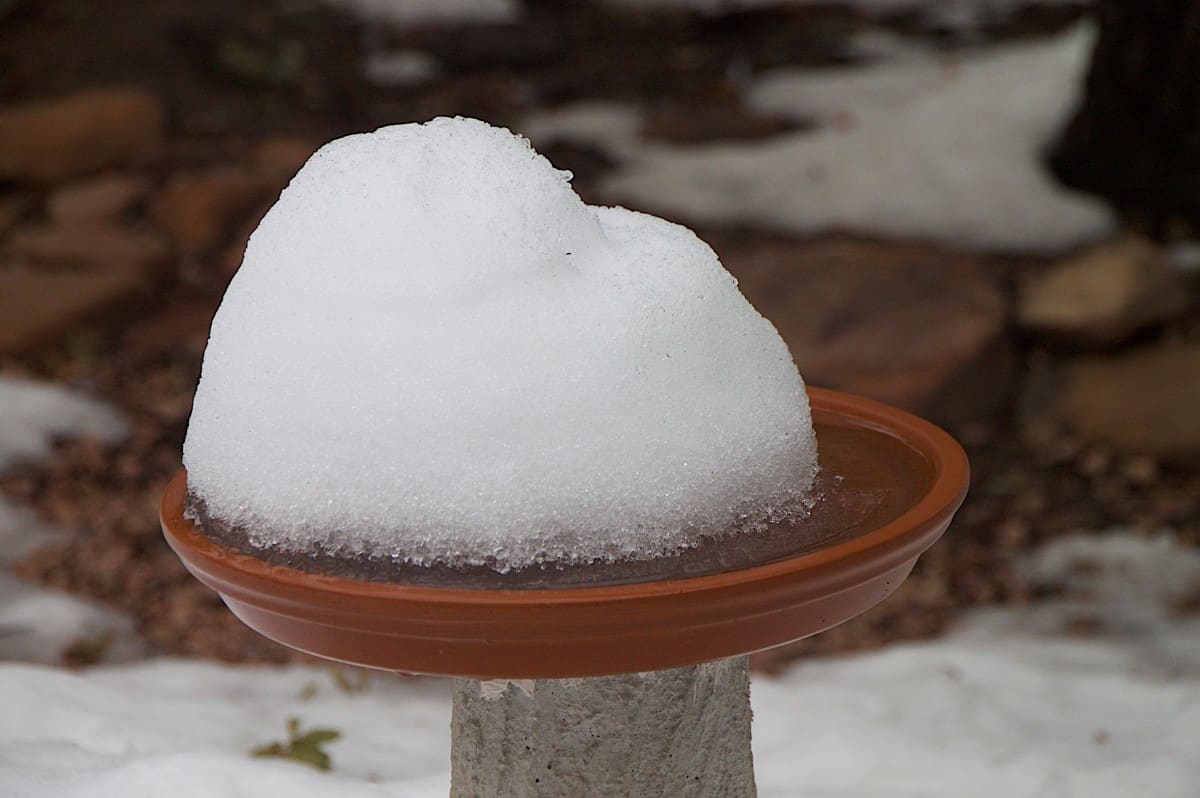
592 631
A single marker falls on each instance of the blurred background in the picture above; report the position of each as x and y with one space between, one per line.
981 210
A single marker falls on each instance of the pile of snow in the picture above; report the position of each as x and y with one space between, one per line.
910 146
38 624
435 351
412 13
1006 707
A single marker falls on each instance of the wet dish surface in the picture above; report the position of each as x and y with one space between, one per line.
868 478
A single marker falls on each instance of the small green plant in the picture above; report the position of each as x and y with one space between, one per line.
302 746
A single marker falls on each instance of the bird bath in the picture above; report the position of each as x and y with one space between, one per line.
639 681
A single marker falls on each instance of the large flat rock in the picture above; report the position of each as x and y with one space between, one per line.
54 277
98 199
200 210
1146 402
39 305
908 325
1103 295
48 141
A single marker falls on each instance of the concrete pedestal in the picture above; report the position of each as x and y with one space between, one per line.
681 732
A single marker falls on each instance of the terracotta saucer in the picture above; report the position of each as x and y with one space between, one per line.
908 476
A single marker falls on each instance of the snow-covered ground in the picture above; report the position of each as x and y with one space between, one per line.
910 145
34 414
38 624
1010 706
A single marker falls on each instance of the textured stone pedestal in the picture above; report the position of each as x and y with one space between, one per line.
681 732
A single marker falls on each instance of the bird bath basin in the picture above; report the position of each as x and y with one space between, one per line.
640 669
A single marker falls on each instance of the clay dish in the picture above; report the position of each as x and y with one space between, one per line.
890 486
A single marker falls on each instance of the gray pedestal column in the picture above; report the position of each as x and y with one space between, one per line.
681 732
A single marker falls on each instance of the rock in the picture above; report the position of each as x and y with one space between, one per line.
277 160
47 141
1102 296
39 304
87 242
55 277
1146 402
200 210
98 199
907 325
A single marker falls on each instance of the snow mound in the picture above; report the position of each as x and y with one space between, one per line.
435 351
